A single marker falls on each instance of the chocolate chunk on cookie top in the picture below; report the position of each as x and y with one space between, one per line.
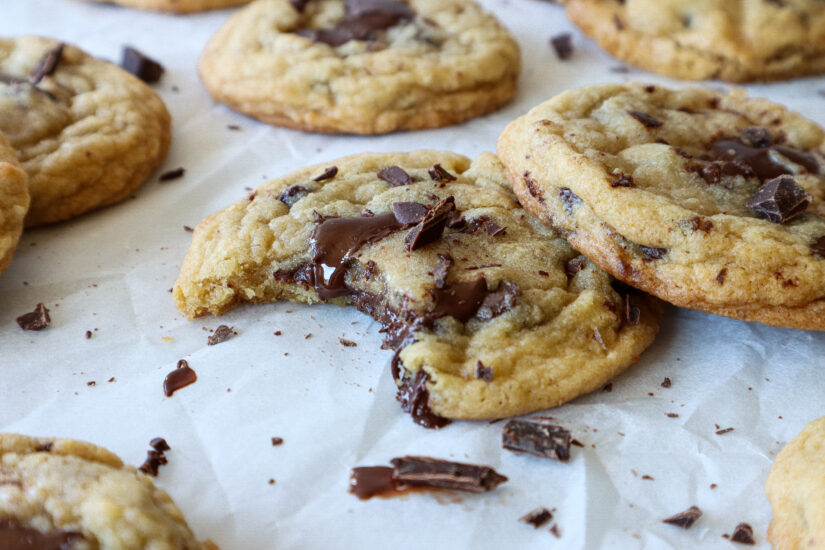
362 66
474 294
721 206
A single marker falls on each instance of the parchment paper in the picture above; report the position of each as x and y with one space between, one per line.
110 272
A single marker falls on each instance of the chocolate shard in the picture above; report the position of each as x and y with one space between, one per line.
563 45
35 320
47 64
646 120
170 175
179 378
653 253
735 157
537 437
327 174
138 64
395 176
429 229
538 517
493 229
415 399
442 269
743 534
684 519
818 247
484 373
439 174
409 213
368 481
574 266
624 180
757 137
780 199
421 471
293 194
500 301
221 334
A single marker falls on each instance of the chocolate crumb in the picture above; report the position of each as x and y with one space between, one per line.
327 174
671 415
233 127
779 199
439 174
112 379
277 441
563 44
308 336
170 175
647 477
45 447
720 277
155 457
136 63
47 65
484 373
88 334
757 137
271 481
653 253
537 437
187 229
91 383
607 387
543 273
35 320
538 517
346 343
569 200
277 333
743 534
666 383
713 486
684 519
493 229
554 530
395 176
722 432
646 120
625 180
221 334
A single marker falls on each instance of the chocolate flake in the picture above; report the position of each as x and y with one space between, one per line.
574 266
666 383
442 269
563 45
533 187
743 534
684 519
143 67
538 517
221 334
346 343
423 471
439 174
293 194
409 213
484 373
671 415
724 431
646 120
720 277
179 378
327 174
554 530
395 176
35 320
780 199
429 229
653 253
170 175
537 437
498 302
624 180
47 64
88 334
818 247
187 229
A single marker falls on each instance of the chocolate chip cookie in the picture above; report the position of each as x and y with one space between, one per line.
176 6
86 132
490 314
361 66
734 40
709 201
14 202
71 495
796 490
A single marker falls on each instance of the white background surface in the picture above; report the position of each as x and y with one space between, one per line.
335 406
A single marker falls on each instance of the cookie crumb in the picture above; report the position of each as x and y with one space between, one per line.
538 517
666 383
743 534
277 441
138 64
221 334
684 519
563 45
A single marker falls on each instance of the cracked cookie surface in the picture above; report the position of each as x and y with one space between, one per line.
61 493
361 66
176 6
14 202
796 491
86 132
734 40
491 315
706 200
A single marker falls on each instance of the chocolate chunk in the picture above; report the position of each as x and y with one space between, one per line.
743 534
538 517
179 378
16 536
221 334
563 44
172 174
415 398
160 445
646 120
759 161
653 253
537 437
757 137
569 200
818 247
439 174
684 519
423 471
780 199
460 299
346 343
35 320
395 176
386 8
574 266
47 64
368 481
500 301
493 229
409 213
624 180
154 460
484 373
455 220
299 5
327 174
429 229
293 194
666 383
277 441
441 270
143 67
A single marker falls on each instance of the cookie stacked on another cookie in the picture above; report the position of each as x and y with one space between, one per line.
361 66
491 314
14 202
734 40
709 201
71 495
86 132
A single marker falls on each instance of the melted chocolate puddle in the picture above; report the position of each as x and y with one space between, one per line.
731 156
